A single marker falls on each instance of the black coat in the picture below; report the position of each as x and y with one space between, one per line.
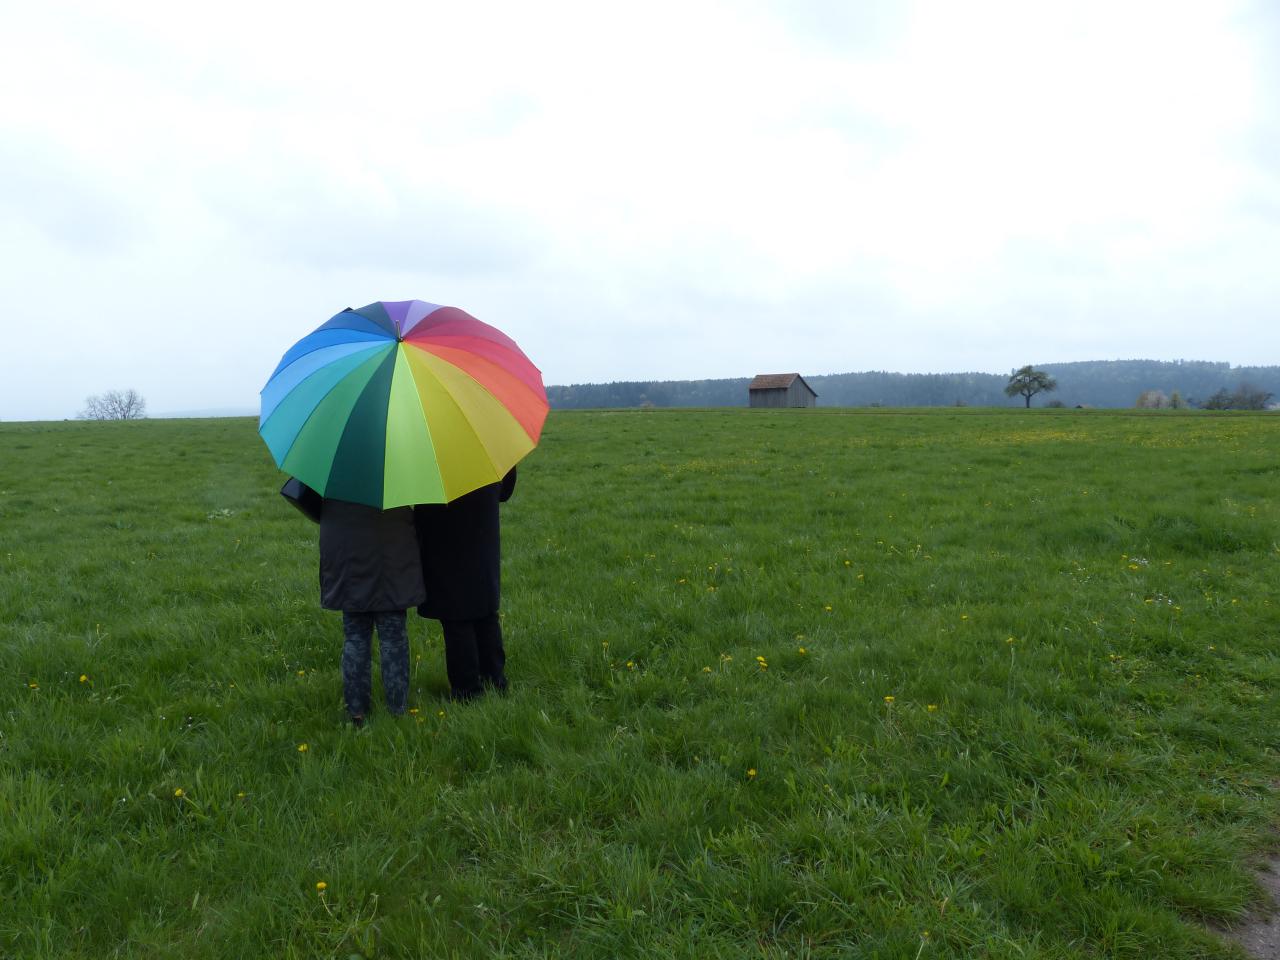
462 552
368 558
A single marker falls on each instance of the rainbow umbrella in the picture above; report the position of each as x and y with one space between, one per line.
402 402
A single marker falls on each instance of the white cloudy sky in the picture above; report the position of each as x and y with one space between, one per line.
667 190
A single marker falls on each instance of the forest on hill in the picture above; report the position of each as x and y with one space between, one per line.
1095 383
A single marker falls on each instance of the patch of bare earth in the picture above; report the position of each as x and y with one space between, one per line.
1259 933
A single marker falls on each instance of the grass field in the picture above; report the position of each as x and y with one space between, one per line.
952 683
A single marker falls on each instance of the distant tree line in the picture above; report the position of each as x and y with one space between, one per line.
1100 383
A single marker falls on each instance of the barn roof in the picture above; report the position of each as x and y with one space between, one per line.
777 381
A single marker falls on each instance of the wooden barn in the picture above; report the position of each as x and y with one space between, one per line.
781 390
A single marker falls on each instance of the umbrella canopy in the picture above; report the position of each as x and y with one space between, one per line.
402 402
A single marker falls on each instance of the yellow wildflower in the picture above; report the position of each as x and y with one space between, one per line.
889 699
179 792
321 887
302 748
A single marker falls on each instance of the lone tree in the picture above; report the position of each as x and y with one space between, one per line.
1028 382
114 405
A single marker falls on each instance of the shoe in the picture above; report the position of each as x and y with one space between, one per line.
357 720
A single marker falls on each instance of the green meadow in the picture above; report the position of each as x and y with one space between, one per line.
809 684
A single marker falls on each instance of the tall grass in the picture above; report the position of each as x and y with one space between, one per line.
785 684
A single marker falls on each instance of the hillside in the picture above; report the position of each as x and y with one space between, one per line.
1099 383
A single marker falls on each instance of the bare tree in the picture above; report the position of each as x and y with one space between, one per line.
1152 400
1250 397
114 405
1246 397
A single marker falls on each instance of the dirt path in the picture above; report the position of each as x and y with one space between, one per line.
1260 934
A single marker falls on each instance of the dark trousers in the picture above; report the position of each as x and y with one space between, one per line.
473 655
393 658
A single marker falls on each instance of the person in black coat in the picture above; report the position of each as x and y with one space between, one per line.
370 569
461 562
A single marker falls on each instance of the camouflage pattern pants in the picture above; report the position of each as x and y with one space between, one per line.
393 658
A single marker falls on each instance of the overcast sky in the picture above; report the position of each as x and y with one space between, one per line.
668 190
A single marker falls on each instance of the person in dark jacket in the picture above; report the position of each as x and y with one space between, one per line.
370 569
461 562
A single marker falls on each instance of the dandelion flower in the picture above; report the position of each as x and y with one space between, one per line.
751 774
179 793
413 711
802 651
889 699
303 748
33 685
321 886
706 669
827 608
440 714
84 678
932 708
240 795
